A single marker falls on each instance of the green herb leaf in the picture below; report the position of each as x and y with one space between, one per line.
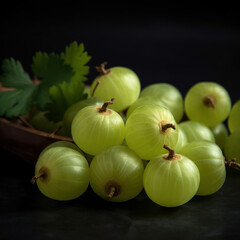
16 102
62 97
13 74
51 70
68 68
77 58
40 64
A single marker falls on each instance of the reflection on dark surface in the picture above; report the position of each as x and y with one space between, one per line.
27 211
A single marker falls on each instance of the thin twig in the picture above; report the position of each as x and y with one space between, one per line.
55 131
25 122
232 163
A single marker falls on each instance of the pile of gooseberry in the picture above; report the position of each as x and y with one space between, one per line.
127 140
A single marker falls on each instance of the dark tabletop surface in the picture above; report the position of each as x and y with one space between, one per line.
180 48
27 214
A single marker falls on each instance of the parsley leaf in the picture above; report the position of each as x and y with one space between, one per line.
77 58
16 102
14 75
51 70
63 96
61 82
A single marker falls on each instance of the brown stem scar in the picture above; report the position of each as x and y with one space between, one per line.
209 102
112 189
168 125
112 192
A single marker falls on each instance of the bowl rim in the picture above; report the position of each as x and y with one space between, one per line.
35 131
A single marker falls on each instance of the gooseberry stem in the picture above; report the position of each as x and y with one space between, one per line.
171 151
41 173
112 189
112 192
168 125
105 105
94 89
209 101
101 69
232 163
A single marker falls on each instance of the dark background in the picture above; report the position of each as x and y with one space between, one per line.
175 44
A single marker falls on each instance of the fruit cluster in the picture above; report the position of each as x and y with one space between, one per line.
127 139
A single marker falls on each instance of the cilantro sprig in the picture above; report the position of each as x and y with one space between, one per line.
61 82
51 70
76 57
16 102
63 96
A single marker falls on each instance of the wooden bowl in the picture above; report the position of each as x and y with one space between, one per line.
25 142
